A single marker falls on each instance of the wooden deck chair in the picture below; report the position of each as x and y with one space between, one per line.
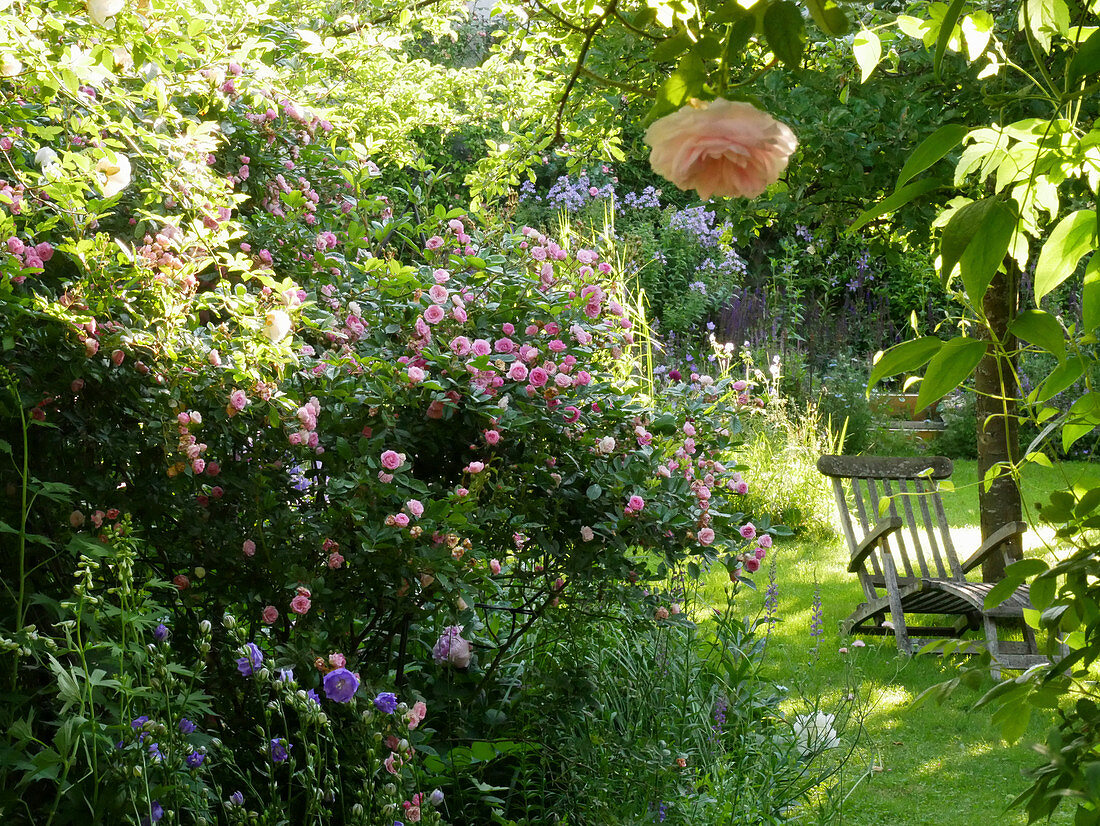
906 561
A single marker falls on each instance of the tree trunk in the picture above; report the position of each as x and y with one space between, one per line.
998 425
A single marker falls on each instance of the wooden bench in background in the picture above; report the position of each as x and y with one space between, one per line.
906 561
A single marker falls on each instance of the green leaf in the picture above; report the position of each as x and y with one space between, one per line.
1087 503
1040 328
481 750
785 32
964 226
829 17
594 492
739 35
947 28
867 49
1071 240
903 358
1083 416
670 48
686 82
1087 60
1041 591
1090 296
728 12
1061 377
984 254
895 200
931 149
948 368
977 29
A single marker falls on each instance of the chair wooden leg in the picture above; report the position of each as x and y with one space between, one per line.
901 632
993 646
1029 638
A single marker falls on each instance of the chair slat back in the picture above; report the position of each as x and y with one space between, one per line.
922 546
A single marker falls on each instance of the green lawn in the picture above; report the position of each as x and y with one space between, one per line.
939 765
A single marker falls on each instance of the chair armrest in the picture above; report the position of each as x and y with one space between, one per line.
995 541
882 530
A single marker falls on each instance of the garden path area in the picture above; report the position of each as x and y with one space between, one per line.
940 765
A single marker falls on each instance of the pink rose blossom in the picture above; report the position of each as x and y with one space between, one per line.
335 560
748 530
270 614
248 547
300 604
415 507
538 377
392 460
494 566
635 503
492 436
415 375
706 536
475 467
482 347
752 565
517 372
401 520
764 540
434 314
91 347
727 148
238 400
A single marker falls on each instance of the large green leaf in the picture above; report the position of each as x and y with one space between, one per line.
1082 418
1015 576
1041 329
931 149
1071 240
671 48
947 28
963 227
1090 296
829 17
895 200
686 82
867 49
1087 60
948 368
903 358
785 32
1061 377
985 252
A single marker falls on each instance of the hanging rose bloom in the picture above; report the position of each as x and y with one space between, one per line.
10 65
101 10
724 147
276 326
114 175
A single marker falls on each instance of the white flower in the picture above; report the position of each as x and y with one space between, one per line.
606 445
276 326
114 175
587 534
45 158
10 65
101 10
815 733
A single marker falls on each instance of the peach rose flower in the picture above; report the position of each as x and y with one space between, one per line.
725 147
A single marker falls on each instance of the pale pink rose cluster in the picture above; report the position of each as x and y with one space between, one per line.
301 603
191 447
727 148
307 434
